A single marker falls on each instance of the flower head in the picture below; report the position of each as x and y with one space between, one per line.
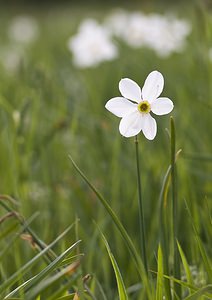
164 34
91 45
136 104
23 29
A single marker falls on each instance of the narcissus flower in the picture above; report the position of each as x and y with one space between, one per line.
23 29
92 45
136 104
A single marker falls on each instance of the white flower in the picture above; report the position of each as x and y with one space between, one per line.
164 34
132 28
135 112
10 58
23 29
91 45
137 30
116 22
167 34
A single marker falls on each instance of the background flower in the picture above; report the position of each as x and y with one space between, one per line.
91 45
164 34
23 29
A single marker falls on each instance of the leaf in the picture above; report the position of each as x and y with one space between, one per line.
160 279
122 230
202 291
17 235
15 277
120 283
39 277
205 258
192 287
176 265
185 265
40 284
163 229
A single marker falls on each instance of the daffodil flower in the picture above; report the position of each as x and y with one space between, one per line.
136 104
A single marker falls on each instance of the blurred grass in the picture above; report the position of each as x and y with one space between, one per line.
62 112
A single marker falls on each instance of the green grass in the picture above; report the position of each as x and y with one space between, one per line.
62 114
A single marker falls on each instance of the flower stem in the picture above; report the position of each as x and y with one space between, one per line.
141 214
163 231
176 267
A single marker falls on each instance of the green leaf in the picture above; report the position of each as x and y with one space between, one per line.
63 289
15 277
50 254
52 266
163 229
122 230
160 279
176 265
17 235
205 258
185 265
201 292
208 294
42 285
120 283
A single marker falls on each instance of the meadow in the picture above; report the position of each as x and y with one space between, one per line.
70 220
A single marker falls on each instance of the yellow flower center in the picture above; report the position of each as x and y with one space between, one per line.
144 107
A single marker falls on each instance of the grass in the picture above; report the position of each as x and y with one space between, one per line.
49 111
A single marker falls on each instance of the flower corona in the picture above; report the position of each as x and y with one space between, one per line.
144 107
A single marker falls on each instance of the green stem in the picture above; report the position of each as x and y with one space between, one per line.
163 231
176 267
141 214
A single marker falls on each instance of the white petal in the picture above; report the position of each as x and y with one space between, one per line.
162 106
153 86
130 89
149 127
131 124
120 106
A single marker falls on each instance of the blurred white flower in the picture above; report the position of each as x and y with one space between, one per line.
164 34
10 58
137 30
91 45
198 275
23 29
132 28
116 22
167 34
135 112
38 191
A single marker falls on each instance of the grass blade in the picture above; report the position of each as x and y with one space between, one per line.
160 279
17 235
205 258
185 265
44 284
176 266
50 254
36 279
121 229
201 292
208 293
163 229
15 277
120 283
